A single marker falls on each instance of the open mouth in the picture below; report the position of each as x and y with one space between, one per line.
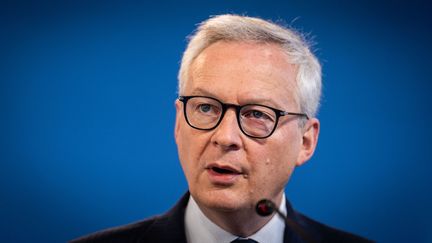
223 175
224 170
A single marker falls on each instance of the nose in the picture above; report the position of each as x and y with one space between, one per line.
227 134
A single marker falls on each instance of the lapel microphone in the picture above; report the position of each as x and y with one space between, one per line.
265 208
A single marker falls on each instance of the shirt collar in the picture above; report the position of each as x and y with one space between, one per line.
201 229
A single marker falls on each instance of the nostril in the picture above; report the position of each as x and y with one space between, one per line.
225 146
233 147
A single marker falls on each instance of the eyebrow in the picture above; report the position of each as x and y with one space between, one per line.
248 101
200 91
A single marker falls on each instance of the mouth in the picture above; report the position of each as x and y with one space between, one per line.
224 170
223 175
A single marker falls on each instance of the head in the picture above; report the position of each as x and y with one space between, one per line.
242 60
247 29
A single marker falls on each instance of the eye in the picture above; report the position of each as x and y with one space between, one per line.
207 109
204 107
257 115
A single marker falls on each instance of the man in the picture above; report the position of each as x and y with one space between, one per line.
249 91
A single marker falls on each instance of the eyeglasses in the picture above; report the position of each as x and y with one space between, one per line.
254 120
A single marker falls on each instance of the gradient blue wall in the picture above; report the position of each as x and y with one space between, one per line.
86 114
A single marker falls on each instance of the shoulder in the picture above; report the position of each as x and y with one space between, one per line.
326 233
168 227
128 233
316 231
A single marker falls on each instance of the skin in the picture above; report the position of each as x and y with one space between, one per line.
242 73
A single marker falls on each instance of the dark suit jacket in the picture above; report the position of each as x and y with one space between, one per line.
170 228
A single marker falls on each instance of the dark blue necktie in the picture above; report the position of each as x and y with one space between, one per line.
239 240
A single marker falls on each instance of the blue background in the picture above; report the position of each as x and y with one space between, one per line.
86 114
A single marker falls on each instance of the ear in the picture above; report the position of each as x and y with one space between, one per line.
179 111
309 140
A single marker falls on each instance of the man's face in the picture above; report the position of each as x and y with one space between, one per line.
225 169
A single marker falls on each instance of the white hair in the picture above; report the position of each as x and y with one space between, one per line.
248 29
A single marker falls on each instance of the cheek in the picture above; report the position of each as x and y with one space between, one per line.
190 146
184 151
278 169
271 176
277 160
289 143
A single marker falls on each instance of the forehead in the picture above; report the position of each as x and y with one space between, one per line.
242 72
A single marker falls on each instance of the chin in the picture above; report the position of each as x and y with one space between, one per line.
222 200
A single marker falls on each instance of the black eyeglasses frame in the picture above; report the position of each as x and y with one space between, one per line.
226 106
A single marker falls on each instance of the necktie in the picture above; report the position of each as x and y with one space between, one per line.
240 240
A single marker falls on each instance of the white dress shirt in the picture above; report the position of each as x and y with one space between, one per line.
201 229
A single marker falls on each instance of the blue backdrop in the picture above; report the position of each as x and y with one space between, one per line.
86 114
